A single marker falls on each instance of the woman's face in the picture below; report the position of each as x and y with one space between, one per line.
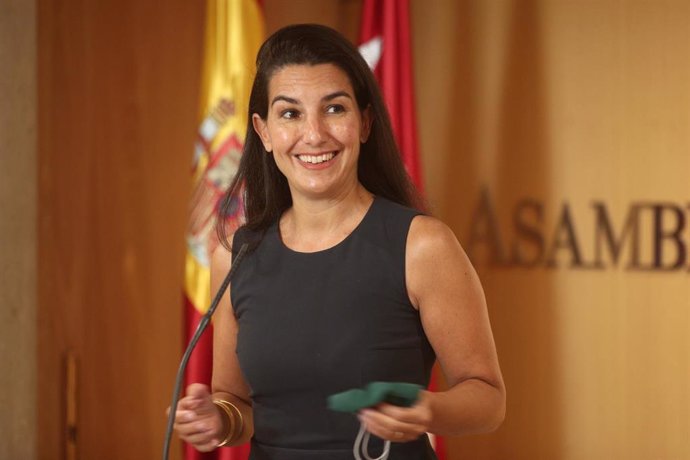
314 129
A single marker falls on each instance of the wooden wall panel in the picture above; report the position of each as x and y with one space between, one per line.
480 79
18 229
342 15
118 87
569 103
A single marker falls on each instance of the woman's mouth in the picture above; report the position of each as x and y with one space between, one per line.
317 159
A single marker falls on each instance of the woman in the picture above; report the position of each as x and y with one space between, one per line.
344 283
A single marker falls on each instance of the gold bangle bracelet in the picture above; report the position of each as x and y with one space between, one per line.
230 418
238 426
235 421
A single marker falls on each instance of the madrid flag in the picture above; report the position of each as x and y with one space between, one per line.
385 45
234 33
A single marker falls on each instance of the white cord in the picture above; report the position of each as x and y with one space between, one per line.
362 444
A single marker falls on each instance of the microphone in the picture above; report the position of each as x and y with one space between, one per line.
192 343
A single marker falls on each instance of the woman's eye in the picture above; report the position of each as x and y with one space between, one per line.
335 108
289 114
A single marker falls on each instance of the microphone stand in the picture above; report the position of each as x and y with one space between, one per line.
192 343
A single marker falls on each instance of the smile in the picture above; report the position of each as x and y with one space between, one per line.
317 159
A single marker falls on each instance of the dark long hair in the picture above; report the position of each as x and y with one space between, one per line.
259 182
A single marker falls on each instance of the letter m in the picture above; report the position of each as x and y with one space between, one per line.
605 237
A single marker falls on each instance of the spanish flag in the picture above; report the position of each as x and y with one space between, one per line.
234 33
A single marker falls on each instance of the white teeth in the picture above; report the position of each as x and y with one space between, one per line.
316 159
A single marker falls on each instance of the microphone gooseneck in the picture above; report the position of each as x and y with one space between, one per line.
203 323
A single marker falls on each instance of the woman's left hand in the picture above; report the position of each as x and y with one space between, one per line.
398 424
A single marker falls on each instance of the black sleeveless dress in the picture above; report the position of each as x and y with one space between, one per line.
315 324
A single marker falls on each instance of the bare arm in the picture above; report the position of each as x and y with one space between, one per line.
198 420
228 382
444 287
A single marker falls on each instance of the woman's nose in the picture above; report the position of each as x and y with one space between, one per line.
314 130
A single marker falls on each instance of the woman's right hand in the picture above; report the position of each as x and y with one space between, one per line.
197 419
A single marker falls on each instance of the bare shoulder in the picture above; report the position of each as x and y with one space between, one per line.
430 238
435 261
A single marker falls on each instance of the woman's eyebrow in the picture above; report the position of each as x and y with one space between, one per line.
328 97
289 100
332 96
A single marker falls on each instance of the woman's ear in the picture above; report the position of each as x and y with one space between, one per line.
367 120
262 130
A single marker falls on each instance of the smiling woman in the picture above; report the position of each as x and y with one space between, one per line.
346 282
379 168
314 129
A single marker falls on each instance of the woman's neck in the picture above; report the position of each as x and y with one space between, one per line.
316 224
